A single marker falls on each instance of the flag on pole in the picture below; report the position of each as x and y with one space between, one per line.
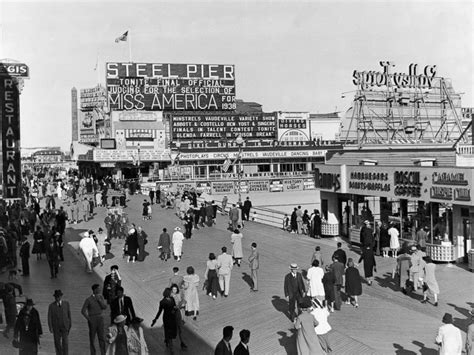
122 37
226 165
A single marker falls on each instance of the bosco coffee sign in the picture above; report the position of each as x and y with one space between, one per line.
170 87
222 126
415 78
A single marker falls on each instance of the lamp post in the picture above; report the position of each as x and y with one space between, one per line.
240 142
178 146
138 164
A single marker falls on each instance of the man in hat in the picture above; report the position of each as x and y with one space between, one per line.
111 282
177 241
92 310
117 336
25 256
224 265
449 337
254 263
416 265
59 322
294 289
421 237
340 254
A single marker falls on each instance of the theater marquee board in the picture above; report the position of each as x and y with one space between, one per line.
170 87
222 126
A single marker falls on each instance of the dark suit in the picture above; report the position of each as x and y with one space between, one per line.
59 322
241 350
223 349
294 290
337 269
341 256
127 309
254 264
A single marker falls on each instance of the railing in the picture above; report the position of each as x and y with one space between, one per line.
465 149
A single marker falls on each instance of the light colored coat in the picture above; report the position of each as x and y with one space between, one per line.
236 240
224 263
450 340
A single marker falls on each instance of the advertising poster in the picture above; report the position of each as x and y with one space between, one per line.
222 187
258 185
192 126
170 87
186 185
244 187
293 184
276 186
308 184
202 187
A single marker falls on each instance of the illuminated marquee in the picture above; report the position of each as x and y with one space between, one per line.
174 87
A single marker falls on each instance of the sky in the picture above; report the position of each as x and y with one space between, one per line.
288 55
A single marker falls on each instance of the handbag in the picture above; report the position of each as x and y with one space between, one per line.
425 287
15 344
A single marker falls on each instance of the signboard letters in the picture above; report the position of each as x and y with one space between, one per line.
175 87
221 126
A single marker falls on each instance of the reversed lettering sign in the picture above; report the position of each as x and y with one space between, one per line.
170 87
14 69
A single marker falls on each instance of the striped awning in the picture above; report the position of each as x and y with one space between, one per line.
140 133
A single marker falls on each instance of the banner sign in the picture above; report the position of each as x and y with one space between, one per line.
308 184
89 138
185 186
276 186
92 98
173 87
139 116
10 115
293 184
244 187
203 187
222 126
161 155
14 69
258 185
222 187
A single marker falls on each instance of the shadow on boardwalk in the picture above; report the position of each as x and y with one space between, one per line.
400 350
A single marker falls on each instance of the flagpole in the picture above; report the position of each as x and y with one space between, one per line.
130 46
97 68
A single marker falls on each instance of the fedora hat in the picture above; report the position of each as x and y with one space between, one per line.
294 266
29 302
177 229
120 318
57 293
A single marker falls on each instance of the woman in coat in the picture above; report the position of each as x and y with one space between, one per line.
307 342
293 222
38 244
136 340
164 245
236 240
117 337
369 263
141 240
353 285
384 240
430 284
28 329
178 300
403 268
328 281
315 276
168 308
191 296
132 245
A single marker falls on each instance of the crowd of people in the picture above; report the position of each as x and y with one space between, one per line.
312 295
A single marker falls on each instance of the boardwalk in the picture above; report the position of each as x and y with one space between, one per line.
387 321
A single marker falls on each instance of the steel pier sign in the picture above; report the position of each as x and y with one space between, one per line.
170 87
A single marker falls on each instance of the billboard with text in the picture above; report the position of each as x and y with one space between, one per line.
191 126
170 87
